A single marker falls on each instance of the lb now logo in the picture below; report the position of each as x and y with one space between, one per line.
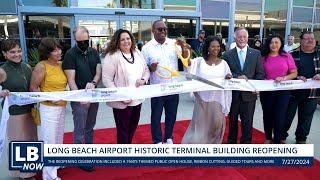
26 156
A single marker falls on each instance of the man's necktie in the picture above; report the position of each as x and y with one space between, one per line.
241 58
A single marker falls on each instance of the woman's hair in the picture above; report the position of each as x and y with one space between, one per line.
115 41
47 45
207 42
9 44
254 44
268 42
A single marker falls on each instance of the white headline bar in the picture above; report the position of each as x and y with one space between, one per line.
178 150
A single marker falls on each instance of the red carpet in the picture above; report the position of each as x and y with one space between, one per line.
143 136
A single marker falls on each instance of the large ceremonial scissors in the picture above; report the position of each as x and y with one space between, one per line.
203 80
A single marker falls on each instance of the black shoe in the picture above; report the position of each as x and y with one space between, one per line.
87 168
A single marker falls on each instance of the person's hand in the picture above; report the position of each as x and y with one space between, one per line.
243 77
153 67
316 77
4 93
255 92
140 82
228 76
90 85
56 102
181 42
304 79
85 104
279 79
127 101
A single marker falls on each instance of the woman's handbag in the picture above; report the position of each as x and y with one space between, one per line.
35 113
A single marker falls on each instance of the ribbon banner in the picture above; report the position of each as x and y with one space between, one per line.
156 90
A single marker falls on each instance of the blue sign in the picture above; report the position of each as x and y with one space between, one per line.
26 156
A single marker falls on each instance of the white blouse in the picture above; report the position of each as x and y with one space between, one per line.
135 72
200 68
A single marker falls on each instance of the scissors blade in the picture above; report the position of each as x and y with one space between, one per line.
203 80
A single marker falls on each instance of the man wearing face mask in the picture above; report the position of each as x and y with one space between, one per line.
82 66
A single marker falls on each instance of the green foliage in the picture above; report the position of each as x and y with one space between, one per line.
127 3
197 52
33 57
60 3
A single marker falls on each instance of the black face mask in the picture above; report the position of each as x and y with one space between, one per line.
83 45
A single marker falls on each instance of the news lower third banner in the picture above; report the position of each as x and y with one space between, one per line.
33 156
155 90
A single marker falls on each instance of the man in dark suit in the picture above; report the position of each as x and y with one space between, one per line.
244 63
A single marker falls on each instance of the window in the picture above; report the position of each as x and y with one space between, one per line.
302 14
9 27
187 5
305 3
317 19
138 4
8 7
52 3
184 27
275 17
248 14
215 9
37 27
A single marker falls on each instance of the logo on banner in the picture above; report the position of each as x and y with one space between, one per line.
26 156
94 93
163 87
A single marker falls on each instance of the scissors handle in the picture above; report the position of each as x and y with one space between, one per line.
172 72
183 60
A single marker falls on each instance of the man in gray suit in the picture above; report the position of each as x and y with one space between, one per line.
244 63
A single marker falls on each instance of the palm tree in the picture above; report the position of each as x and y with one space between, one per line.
153 4
113 4
131 4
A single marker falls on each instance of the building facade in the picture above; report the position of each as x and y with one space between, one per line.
30 20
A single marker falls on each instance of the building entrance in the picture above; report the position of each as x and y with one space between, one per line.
101 28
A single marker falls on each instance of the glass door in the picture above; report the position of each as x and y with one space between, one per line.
140 27
102 28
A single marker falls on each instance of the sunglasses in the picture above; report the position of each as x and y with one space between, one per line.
82 42
161 29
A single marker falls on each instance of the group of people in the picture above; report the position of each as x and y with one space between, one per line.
125 66
274 61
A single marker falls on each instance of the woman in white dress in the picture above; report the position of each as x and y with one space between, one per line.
208 120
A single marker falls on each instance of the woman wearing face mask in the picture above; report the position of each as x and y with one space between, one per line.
125 67
278 66
15 77
48 76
